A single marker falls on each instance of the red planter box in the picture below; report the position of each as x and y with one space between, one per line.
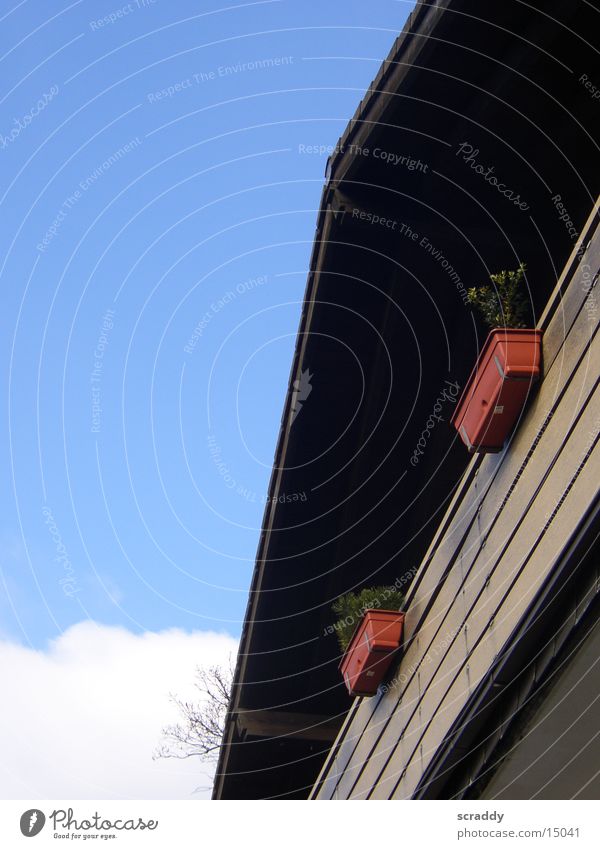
371 651
497 389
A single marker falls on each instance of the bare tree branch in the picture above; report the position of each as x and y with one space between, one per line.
200 731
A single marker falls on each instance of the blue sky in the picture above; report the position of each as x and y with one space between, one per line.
147 172
158 215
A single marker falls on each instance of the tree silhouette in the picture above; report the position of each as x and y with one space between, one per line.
200 731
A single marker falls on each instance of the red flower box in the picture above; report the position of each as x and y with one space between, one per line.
371 651
508 366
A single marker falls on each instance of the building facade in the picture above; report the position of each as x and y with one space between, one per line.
474 149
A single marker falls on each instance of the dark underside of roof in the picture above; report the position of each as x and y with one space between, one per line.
385 325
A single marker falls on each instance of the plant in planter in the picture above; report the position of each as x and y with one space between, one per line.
504 304
509 364
369 632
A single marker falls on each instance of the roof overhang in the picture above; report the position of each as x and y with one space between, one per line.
384 325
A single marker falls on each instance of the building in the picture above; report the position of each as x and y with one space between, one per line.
475 148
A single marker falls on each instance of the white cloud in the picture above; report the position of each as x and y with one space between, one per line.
81 719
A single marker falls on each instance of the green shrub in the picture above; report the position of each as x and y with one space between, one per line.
505 303
350 608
